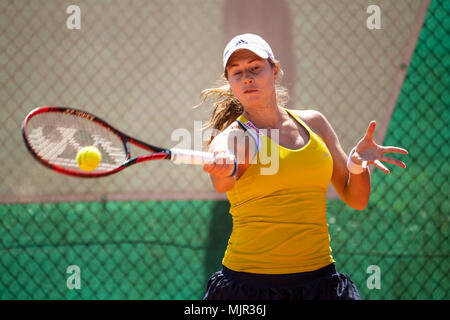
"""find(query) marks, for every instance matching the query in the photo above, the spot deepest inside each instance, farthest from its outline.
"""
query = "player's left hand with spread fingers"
(369, 152)
(223, 164)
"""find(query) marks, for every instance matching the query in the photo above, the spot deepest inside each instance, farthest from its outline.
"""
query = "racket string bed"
(57, 137)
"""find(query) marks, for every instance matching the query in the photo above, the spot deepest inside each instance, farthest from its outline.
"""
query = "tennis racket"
(54, 135)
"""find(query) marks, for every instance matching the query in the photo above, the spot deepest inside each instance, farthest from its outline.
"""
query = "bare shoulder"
(315, 120)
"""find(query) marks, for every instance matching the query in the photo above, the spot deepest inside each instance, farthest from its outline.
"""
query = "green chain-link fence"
(405, 229)
(157, 231)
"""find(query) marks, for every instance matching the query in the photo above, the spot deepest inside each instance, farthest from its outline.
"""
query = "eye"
(255, 69)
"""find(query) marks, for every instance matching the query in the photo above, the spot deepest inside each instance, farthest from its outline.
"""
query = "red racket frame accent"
(158, 153)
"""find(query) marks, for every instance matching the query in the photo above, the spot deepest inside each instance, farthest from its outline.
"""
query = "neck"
(268, 117)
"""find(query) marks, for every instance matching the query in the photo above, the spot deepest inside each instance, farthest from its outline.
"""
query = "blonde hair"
(227, 108)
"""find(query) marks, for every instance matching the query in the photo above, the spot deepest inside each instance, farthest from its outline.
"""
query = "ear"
(276, 68)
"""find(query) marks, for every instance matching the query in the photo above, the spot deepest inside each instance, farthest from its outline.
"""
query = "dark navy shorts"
(322, 284)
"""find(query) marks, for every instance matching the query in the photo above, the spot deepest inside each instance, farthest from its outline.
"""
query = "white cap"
(248, 41)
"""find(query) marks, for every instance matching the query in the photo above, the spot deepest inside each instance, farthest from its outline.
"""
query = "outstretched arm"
(355, 188)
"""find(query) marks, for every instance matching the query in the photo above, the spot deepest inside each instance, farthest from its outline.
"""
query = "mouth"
(250, 91)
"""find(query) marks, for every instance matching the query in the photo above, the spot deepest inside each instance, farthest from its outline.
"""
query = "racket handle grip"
(190, 156)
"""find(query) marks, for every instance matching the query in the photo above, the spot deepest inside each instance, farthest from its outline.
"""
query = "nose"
(248, 78)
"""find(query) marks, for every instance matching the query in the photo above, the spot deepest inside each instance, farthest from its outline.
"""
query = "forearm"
(357, 190)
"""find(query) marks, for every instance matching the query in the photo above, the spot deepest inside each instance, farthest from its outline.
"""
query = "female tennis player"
(279, 247)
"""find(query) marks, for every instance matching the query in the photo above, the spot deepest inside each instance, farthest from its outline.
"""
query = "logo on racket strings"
(59, 146)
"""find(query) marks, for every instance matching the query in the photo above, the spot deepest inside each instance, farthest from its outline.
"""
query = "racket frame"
(158, 153)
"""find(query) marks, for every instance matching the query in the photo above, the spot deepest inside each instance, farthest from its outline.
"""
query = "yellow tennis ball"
(88, 158)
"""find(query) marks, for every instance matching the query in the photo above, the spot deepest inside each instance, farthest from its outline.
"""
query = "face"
(251, 78)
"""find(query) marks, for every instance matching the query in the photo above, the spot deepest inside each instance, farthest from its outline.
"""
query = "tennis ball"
(88, 158)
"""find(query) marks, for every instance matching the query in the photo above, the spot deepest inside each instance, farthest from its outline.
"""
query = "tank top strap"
(303, 123)
(249, 125)
(251, 129)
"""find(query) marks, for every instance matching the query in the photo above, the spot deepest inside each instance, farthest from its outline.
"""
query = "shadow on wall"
(271, 20)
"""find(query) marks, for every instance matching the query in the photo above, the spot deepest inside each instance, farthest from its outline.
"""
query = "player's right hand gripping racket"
(54, 135)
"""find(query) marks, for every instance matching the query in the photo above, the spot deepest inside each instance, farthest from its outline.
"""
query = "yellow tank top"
(279, 220)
